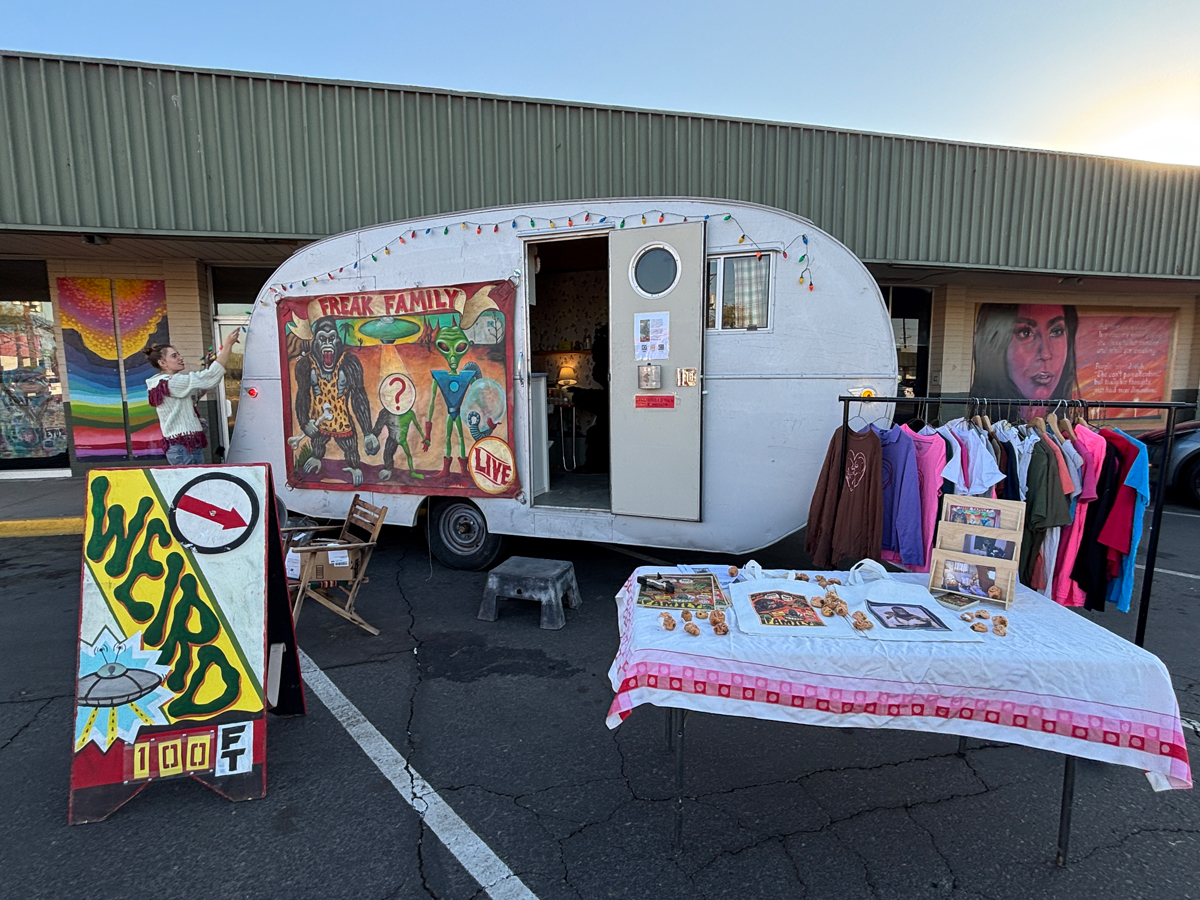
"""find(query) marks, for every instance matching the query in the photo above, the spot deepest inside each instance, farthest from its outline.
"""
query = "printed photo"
(966, 578)
(905, 616)
(690, 592)
(984, 516)
(995, 548)
(785, 609)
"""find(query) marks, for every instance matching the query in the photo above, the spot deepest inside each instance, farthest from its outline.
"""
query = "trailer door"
(656, 318)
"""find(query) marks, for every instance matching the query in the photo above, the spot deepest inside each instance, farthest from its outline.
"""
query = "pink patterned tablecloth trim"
(1087, 723)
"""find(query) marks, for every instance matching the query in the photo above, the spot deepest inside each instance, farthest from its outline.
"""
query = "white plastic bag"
(867, 570)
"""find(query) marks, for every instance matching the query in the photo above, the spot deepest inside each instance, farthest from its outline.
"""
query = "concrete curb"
(41, 527)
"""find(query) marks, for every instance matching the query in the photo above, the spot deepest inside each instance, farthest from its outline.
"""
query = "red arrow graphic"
(226, 518)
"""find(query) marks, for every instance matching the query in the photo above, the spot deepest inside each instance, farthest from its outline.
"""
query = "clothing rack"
(1171, 409)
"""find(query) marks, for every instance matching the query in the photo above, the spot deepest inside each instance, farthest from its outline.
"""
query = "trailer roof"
(112, 146)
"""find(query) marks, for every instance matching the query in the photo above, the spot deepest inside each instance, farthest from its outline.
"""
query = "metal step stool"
(547, 581)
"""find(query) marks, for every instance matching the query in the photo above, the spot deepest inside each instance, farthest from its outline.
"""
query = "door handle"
(521, 367)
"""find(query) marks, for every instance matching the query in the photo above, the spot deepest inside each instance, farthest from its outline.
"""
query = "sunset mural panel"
(94, 364)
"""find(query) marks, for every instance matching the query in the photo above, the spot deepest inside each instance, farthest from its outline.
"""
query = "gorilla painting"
(330, 397)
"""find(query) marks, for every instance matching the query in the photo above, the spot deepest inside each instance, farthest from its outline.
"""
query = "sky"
(1101, 77)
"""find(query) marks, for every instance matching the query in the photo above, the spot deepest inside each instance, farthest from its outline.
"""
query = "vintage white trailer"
(447, 360)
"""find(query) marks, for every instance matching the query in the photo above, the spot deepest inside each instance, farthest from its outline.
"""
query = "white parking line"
(1171, 512)
(1172, 572)
(468, 848)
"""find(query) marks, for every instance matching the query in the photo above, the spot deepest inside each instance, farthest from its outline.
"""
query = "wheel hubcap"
(463, 529)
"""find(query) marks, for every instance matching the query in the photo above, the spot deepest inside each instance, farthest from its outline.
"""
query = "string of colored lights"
(583, 217)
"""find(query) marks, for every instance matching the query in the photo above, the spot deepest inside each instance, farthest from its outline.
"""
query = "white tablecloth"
(1056, 681)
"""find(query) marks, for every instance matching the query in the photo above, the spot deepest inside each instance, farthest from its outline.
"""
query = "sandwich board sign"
(185, 634)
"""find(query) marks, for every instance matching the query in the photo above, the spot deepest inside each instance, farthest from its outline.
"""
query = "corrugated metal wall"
(99, 145)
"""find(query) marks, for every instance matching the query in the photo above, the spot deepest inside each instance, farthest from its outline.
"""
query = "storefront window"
(33, 430)
(234, 292)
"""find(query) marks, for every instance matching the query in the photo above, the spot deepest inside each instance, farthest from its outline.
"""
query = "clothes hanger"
(916, 423)
(1065, 424)
(974, 414)
(1051, 421)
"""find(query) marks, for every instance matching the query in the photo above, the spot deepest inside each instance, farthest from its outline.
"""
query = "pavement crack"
(954, 885)
(382, 658)
(37, 699)
(1136, 833)
(421, 859)
(37, 712)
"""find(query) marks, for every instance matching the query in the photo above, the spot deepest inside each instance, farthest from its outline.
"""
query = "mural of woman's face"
(1037, 351)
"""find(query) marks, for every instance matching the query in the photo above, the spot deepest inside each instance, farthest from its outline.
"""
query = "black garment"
(596, 401)
(1091, 565)
(948, 486)
(1012, 474)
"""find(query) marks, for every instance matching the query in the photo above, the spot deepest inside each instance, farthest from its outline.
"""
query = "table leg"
(679, 719)
(670, 718)
(1064, 816)
(962, 746)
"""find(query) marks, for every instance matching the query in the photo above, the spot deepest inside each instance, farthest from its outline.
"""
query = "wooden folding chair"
(359, 546)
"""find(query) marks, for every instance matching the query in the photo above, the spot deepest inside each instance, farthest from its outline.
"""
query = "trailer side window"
(739, 292)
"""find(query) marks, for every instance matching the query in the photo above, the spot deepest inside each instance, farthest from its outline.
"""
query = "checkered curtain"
(746, 304)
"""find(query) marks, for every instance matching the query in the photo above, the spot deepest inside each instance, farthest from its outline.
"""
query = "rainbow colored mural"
(91, 310)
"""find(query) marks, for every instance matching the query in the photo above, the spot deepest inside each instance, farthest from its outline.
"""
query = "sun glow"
(1158, 122)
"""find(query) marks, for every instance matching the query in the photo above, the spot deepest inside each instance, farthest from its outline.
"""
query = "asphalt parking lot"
(506, 722)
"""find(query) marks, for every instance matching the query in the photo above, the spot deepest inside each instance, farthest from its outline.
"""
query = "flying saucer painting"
(388, 330)
(114, 684)
(119, 690)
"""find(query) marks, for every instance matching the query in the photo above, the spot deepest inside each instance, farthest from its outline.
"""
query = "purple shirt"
(901, 496)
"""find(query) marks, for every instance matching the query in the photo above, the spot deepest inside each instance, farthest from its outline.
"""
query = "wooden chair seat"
(337, 595)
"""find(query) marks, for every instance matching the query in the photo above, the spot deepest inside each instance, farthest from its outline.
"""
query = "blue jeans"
(179, 455)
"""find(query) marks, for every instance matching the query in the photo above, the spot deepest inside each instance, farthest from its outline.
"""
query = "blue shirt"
(1120, 589)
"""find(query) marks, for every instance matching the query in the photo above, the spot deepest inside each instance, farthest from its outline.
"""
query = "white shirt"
(176, 407)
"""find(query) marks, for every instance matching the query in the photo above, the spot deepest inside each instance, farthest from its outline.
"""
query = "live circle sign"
(491, 465)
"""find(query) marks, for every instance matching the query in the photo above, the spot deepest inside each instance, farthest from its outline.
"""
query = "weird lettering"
(182, 625)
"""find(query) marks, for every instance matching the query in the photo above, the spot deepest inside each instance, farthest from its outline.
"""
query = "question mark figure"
(397, 397)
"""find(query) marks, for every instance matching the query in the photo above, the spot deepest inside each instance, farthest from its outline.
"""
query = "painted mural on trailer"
(1048, 352)
(402, 391)
(94, 312)
(171, 634)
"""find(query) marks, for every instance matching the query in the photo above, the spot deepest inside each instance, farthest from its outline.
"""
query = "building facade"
(140, 203)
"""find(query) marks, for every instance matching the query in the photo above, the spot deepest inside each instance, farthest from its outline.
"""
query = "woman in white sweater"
(174, 394)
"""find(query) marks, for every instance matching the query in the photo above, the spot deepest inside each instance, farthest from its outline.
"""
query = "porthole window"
(654, 270)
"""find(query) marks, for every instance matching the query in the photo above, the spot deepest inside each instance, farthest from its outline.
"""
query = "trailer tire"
(459, 536)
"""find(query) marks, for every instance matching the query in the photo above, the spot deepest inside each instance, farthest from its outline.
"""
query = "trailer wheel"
(459, 536)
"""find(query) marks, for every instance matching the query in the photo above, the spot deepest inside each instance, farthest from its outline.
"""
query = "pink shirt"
(1091, 447)
(931, 460)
